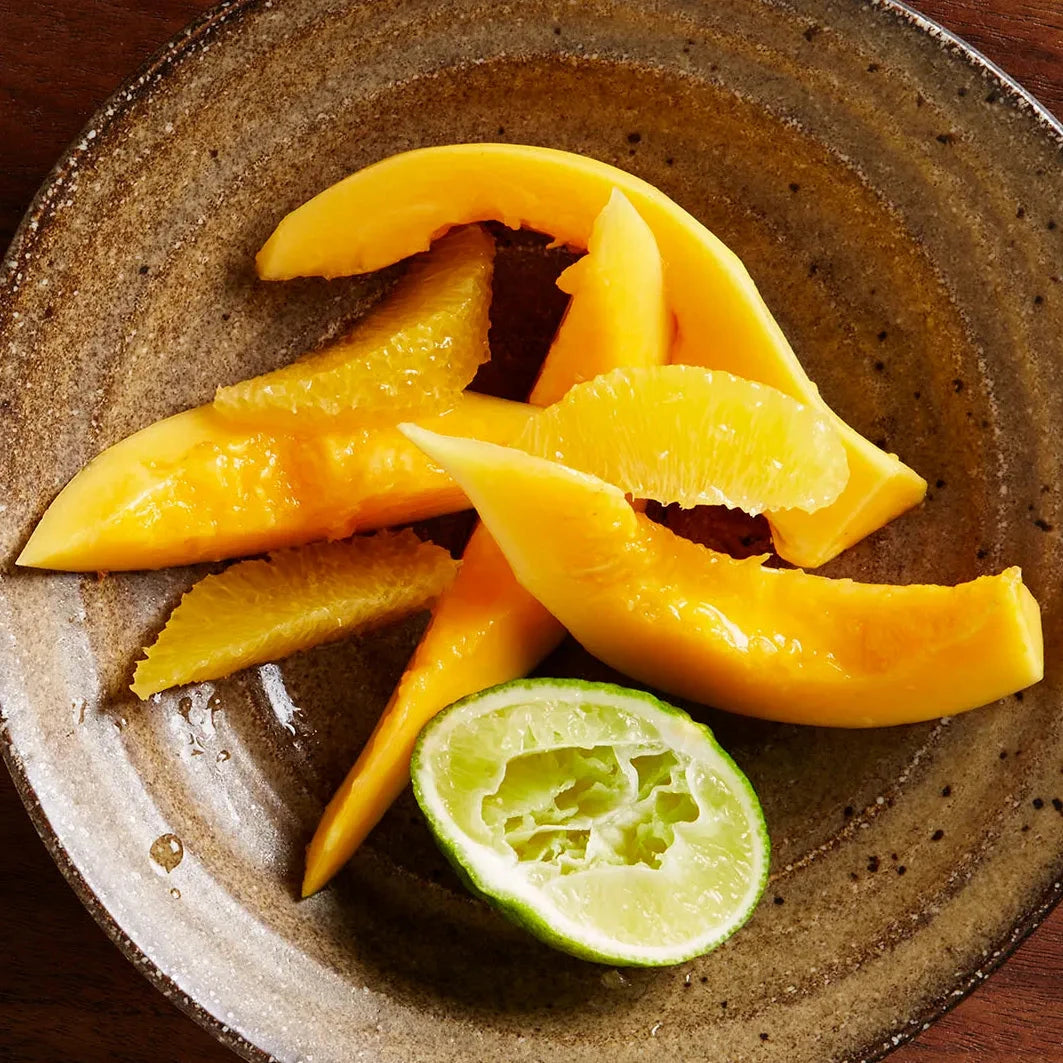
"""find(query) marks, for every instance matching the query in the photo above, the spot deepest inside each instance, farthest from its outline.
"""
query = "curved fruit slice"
(678, 433)
(258, 611)
(415, 351)
(200, 487)
(606, 822)
(779, 644)
(396, 207)
(617, 314)
(486, 628)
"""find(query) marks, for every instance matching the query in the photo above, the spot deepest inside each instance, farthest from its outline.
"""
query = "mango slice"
(679, 433)
(258, 611)
(416, 351)
(486, 628)
(617, 314)
(398, 206)
(779, 644)
(482, 632)
(200, 487)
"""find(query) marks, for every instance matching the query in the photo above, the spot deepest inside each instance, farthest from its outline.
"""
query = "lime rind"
(685, 875)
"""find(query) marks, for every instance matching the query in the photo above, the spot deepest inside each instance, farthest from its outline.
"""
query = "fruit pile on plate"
(602, 819)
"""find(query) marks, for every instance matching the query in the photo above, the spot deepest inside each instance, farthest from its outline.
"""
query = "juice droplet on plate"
(167, 851)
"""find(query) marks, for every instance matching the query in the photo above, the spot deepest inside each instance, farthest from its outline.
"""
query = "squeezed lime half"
(603, 820)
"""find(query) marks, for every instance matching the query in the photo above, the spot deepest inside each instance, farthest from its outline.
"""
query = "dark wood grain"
(1025, 37)
(65, 992)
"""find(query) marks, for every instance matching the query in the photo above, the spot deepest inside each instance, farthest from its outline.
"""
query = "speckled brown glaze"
(896, 201)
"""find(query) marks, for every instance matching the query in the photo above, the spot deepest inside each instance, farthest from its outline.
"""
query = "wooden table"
(65, 991)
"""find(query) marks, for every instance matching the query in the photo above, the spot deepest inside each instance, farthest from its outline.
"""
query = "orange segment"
(780, 644)
(414, 352)
(486, 628)
(394, 208)
(681, 434)
(201, 487)
(258, 611)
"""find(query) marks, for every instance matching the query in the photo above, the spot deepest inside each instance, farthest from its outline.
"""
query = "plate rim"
(139, 86)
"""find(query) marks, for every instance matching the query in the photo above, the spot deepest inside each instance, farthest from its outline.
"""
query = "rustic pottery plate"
(896, 200)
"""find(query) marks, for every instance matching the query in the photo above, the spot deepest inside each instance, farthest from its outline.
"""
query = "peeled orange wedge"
(395, 207)
(199, 486)
(415, 351)
(682, 434)
(258, 611)
(486, 628)
(779, 644)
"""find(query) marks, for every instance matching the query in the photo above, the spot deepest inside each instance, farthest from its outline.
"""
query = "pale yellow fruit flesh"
(693, 436)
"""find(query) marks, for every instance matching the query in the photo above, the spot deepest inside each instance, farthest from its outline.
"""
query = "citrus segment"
(200, 487)
(682, 434)
(486, 628)
(617, 314)
(779, 644)
(258, 611)
(414, 352)
(604, 821)
(394, 208)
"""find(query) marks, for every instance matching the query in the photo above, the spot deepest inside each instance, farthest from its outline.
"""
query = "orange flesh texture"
(412, 355)
(200, 487)
(396, 207)
(681, 433)
(259, 611)
(486, 628)
(778, 644)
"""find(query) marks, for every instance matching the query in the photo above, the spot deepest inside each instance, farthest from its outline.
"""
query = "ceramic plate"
(895, 199)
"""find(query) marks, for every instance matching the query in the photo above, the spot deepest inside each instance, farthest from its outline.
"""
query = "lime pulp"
(603, 820)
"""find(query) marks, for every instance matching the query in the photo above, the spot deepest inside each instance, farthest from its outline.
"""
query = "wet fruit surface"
(413, 354)
(779, 644)
(260, 611)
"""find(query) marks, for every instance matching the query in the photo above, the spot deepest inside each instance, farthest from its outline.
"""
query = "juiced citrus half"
(415, 351)
(258, 611)
(606, 822)
(680, 433)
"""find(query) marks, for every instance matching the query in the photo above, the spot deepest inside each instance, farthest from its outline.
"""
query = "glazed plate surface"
(896, 202)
